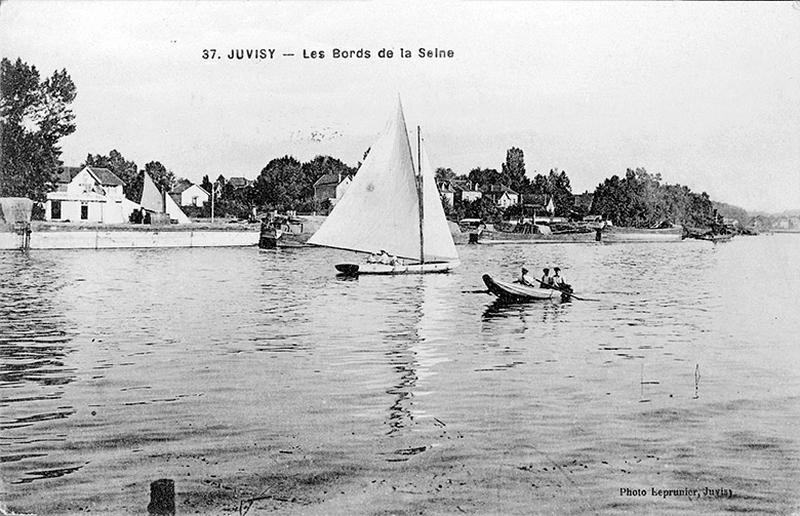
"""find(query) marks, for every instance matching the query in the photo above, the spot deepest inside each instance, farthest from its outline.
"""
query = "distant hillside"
(729, 211)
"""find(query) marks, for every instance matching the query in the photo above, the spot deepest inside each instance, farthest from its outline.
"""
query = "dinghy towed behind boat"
(390, 207)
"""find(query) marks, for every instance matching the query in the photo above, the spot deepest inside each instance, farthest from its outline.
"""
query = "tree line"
(35, 115)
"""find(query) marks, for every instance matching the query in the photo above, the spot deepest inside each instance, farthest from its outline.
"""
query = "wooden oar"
(570, 294)
(475, 291)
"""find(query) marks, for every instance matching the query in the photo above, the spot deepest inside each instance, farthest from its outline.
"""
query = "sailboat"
(391, 207)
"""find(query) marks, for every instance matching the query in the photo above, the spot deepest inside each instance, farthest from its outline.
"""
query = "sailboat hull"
(352, 269)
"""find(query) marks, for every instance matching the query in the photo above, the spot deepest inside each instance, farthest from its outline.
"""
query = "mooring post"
(162, 497)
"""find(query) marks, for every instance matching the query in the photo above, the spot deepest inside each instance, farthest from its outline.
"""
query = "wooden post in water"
(162, 497)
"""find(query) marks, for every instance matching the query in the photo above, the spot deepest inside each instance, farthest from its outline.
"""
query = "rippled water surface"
(260, 382)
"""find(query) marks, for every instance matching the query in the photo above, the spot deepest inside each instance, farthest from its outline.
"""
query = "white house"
(502, 195)
(89, 194)
(466, 191)
(190, 194)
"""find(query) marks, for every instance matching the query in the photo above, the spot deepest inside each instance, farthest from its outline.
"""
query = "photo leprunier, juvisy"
(399, 258)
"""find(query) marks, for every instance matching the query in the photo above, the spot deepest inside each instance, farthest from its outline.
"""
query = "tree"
(640, 200)
(482, 208)
(206, 185)
(127, 171)
(163, 178)
(312, 170)
(279, 184)
(484, 176)
(513, 170)
(34, 116)
(561, 192)
(444, 174)
(555, 185)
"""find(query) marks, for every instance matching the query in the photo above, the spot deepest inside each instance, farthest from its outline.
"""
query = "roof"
(499, 189)
(239, 182)
(183, 185)
(445, 186)
(67, 174)
(464, 185)
(330, 179)
(536, 199)
(105, 177)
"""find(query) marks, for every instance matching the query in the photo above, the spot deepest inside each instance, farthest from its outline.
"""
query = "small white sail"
(175, 212)
(437, 239)
(380, 210)
(154, 200)
(151, 196)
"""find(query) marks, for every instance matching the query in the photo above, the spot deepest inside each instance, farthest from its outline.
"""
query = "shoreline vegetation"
(36, 116)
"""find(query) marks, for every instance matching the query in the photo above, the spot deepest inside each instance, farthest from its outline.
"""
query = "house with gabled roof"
(88, 194)
(187, 193)
(331, 187)
(501, 195)
(465, 190)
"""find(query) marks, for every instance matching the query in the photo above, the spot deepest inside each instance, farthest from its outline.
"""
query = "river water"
(244, 373)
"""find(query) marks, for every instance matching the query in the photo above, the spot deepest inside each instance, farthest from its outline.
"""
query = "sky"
(706, 94)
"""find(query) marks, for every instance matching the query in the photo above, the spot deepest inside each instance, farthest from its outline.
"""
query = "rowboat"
(726, 237)
(519, 292)
(392, 206)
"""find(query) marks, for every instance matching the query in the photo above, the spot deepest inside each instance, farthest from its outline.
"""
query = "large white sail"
(437, 239)
(380, 210)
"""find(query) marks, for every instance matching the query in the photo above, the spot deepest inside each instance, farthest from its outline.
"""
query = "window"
(84, 211)
(194, 201)
(55, 210)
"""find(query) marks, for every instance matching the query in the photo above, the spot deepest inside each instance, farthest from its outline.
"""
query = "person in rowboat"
(559, 282)
(525, 279)
(546, 281)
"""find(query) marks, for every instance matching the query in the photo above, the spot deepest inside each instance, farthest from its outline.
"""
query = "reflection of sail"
(419, 349)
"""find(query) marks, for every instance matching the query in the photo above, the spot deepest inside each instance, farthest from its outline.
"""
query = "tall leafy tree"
(444, 174)
(163, 178)
(561, 191)
(513, 170)
(206, 185)
(279, 184)
(640, 200)
(484, 176)
(34, 116)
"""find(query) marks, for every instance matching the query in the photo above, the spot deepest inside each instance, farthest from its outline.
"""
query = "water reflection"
(35, 342)
(401, 355)
(539, 311)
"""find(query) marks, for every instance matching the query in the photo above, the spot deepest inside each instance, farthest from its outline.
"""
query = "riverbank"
(608, 235)
(50, 235)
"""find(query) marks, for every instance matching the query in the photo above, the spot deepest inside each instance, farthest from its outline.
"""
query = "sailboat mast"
(419, 195)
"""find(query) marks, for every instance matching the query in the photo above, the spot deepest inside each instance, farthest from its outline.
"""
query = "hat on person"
(556, 269)
(545, 270)
(524, 269)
